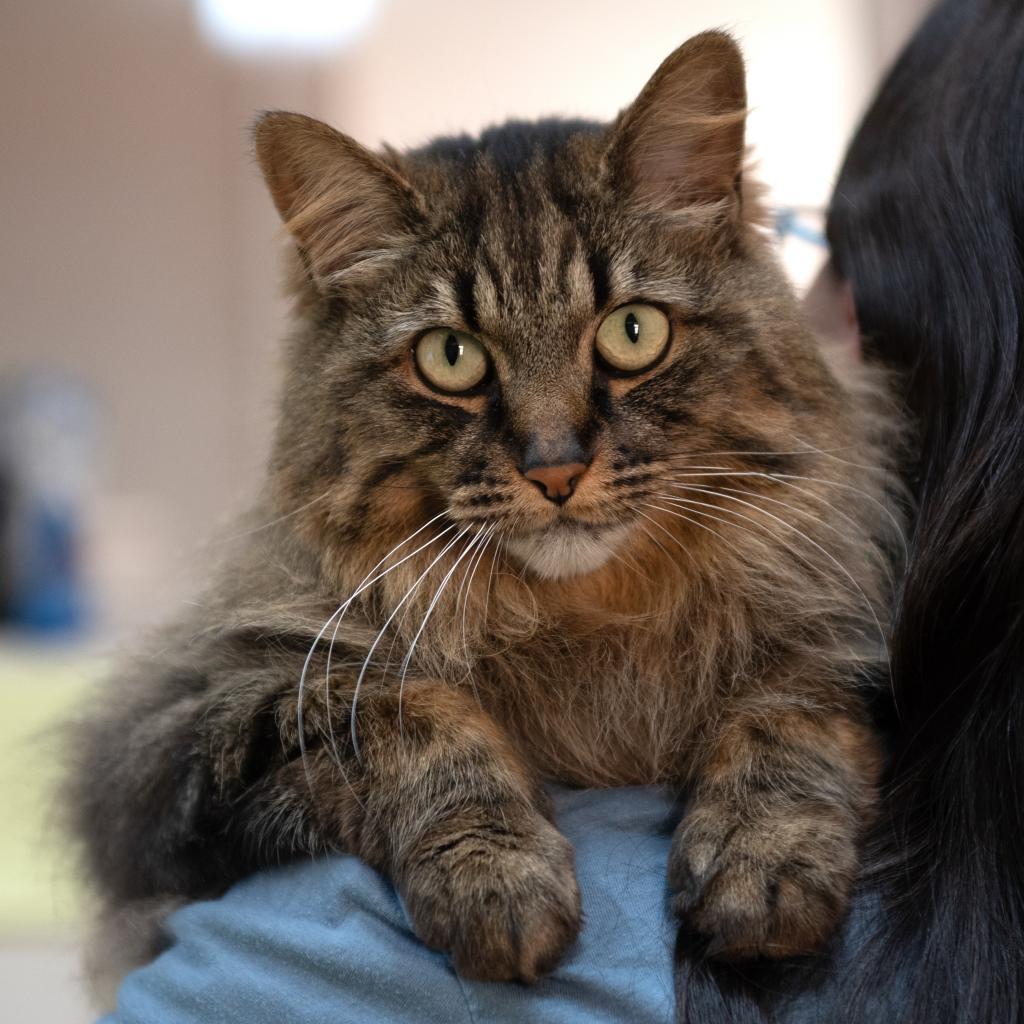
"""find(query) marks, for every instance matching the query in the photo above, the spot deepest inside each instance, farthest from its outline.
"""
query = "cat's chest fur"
(620, 706)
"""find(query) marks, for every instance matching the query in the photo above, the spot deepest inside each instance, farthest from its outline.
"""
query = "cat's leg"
(764, 859)
(179, 797)
(453, 815)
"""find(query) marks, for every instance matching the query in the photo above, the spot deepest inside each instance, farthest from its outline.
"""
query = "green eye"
(451, 360)
(633, 337)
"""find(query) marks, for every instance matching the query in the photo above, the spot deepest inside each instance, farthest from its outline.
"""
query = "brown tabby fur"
(723, 647)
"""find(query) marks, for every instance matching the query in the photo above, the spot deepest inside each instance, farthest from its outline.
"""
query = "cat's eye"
(633, 337)
(451, 360)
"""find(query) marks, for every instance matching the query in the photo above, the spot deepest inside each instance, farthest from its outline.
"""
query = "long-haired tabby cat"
(562, 488)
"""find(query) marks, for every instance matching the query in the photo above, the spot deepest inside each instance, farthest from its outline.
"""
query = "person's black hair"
(927, 225)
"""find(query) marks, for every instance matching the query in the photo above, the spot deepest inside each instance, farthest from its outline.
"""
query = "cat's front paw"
(499, 896)
(771, 882)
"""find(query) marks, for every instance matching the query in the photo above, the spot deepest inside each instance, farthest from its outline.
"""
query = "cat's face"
(528, 331)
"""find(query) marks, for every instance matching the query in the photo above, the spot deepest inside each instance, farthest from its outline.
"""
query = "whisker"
(839, 565)
(808, 449)
(805, 512)
(630, 565)
(401, 626)
(713, 532)
(695, 511)
(896, 524)
(670, 536)
(785, 478)
(500, 551)
(344, 609)
(407, 660)
(340, 611)
(694, 506)
(827, 452)
(470, 574)
(279, 519)
(657, 543)
(373, 647)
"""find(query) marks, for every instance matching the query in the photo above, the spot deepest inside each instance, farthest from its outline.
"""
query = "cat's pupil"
(632, 328)
(452, 349)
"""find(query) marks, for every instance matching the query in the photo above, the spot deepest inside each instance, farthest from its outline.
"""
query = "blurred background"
(140, 310)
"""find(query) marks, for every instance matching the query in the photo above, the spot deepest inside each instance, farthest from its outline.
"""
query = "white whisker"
(463, 596)
(713, 532)
(827, 452)
(806, 450)
(784, 478)
(279, 519)
(654, 540)
(340, 611)
(803, 512)
(630, 565)
(675, 540)
(789, 526)
(499, 553)
(407, 660)
(383, 630)
(897, 525)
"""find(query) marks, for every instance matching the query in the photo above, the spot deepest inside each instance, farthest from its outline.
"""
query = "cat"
(563, 488)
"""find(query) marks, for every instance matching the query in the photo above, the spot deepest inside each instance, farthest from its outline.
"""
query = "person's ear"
(830, 310)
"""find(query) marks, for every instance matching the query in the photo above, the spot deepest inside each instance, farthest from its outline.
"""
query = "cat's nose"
(557, 482)
(555, 464)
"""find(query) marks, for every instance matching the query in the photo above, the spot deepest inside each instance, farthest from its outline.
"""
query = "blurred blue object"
(47, 465)
(800, 222)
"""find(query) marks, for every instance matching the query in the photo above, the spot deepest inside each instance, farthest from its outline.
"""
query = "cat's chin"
(562, 553)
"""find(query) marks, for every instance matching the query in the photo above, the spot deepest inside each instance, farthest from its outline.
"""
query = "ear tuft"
(343, 205)
(680, 144)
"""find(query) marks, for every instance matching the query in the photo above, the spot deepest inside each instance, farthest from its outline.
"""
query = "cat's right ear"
(344, 206)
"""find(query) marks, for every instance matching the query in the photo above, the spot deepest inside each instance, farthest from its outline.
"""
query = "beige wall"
(485, 61)
(455, 65)
(137, 254)
(138, 251)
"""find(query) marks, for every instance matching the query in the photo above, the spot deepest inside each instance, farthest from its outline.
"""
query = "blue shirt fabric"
(328, 942)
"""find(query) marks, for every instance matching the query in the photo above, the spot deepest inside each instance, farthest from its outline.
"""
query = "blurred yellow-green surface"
(39, 688)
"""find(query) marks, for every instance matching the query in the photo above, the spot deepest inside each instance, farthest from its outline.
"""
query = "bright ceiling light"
(271, 27)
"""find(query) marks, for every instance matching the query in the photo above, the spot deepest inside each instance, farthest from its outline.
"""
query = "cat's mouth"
(565, 548)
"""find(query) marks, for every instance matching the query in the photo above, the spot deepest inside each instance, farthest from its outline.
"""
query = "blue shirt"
(328, 942)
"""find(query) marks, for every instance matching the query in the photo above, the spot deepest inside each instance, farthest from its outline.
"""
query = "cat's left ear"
(680, 144)
(345, 207)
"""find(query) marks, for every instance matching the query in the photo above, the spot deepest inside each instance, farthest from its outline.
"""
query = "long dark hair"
(927, 225)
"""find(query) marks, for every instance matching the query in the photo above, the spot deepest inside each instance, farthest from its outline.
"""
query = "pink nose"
(557, 482)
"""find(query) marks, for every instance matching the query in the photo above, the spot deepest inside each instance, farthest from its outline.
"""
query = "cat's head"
(523, 333)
